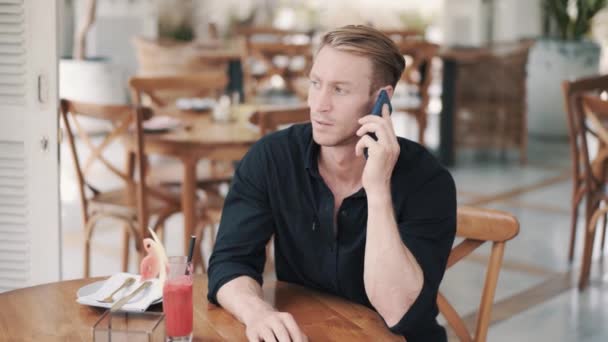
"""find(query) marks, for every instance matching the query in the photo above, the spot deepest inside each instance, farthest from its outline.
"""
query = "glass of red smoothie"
(177, 299)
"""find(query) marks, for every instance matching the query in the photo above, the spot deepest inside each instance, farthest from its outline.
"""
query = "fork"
(124, 300)
(110, 298)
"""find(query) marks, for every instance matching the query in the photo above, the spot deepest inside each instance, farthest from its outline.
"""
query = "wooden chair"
(202, 84)
(591, 115)
(573, 90)
(131, 203)
(270, 52)
(271, 119)
(477, 226)
(162, 92)
(417, 76)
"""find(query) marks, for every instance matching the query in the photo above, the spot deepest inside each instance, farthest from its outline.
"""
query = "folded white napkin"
(139, 303)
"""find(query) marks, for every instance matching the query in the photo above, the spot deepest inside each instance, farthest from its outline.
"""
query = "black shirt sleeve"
(428, 227)
(246, 224)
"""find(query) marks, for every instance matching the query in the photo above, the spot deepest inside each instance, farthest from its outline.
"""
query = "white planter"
(550, 63)
(97, 81)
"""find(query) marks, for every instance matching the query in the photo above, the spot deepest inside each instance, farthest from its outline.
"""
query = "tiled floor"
(536, 300)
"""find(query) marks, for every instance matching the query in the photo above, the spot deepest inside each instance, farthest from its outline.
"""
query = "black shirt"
(278, 190)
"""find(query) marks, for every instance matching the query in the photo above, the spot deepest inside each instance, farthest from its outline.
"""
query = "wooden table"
(202, 138)
(50, 313)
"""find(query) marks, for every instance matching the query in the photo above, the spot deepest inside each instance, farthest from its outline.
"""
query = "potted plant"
(565, 53)
(89, 78)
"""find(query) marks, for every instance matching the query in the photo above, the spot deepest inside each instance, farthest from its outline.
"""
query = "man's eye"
(340, 91)
(314, 83)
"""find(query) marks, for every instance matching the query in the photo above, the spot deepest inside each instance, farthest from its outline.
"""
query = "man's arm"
(392, 277)
(404, 262)
(237, 262)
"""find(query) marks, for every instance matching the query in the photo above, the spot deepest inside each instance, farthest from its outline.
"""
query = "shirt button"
(343, 213)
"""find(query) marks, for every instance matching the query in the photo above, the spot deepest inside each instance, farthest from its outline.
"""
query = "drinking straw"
(191, 250)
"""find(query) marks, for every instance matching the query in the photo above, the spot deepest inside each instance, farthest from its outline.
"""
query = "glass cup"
(129, 327)
(177, 300)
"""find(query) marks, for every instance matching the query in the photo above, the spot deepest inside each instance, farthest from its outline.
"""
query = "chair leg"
(213, 233)
(88, 233)
(198, 254)
(421, 127)
(603, 235)
(588, 248)
(573, 222)
(87, 258)
(126, 239)
(586, 261)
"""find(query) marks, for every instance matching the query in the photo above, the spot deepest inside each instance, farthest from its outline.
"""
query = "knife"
(124, 300)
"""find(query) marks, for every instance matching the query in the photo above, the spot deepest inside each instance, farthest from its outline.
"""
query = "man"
(375, 231)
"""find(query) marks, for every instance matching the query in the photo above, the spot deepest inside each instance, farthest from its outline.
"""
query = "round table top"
(201, 136)
(50, 313)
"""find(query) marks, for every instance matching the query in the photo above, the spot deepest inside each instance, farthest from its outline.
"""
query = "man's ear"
(389, 91)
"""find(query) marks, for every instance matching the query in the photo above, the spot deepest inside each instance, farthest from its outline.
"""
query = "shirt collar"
(312, 158)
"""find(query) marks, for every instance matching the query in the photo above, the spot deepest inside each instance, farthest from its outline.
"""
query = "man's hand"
(271, 326)
(382, 154)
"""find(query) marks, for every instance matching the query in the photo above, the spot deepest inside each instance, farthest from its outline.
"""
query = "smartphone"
(382, 99)
(377, 110)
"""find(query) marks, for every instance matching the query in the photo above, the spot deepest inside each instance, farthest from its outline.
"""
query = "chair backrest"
(162, 57)
(121, 120)
(477, 226)
(575, 112)
(496, 73)
(594, 122)
(490, 107)
(269, 119)
(164, 90)
(267, 34)
(270, 51)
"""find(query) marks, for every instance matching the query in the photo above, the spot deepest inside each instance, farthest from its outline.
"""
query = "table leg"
(189, 200)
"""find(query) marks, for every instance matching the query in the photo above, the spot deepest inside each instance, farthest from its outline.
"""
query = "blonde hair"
(387, 62)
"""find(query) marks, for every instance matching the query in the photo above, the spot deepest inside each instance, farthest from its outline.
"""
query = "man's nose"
(321, 101)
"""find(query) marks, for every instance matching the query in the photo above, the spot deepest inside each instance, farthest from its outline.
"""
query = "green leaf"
(557, 10)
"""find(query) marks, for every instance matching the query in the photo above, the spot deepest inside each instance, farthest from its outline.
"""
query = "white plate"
(93, 287)
(195, 104)
(161, 124)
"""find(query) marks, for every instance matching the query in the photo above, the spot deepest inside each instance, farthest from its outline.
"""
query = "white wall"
(117, 22)
(477, 22)
(515, 19)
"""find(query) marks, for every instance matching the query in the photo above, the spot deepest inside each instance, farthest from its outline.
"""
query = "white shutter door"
(29, 192)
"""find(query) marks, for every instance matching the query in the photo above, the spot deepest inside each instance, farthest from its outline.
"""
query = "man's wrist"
(378, 197)
(256, 308)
